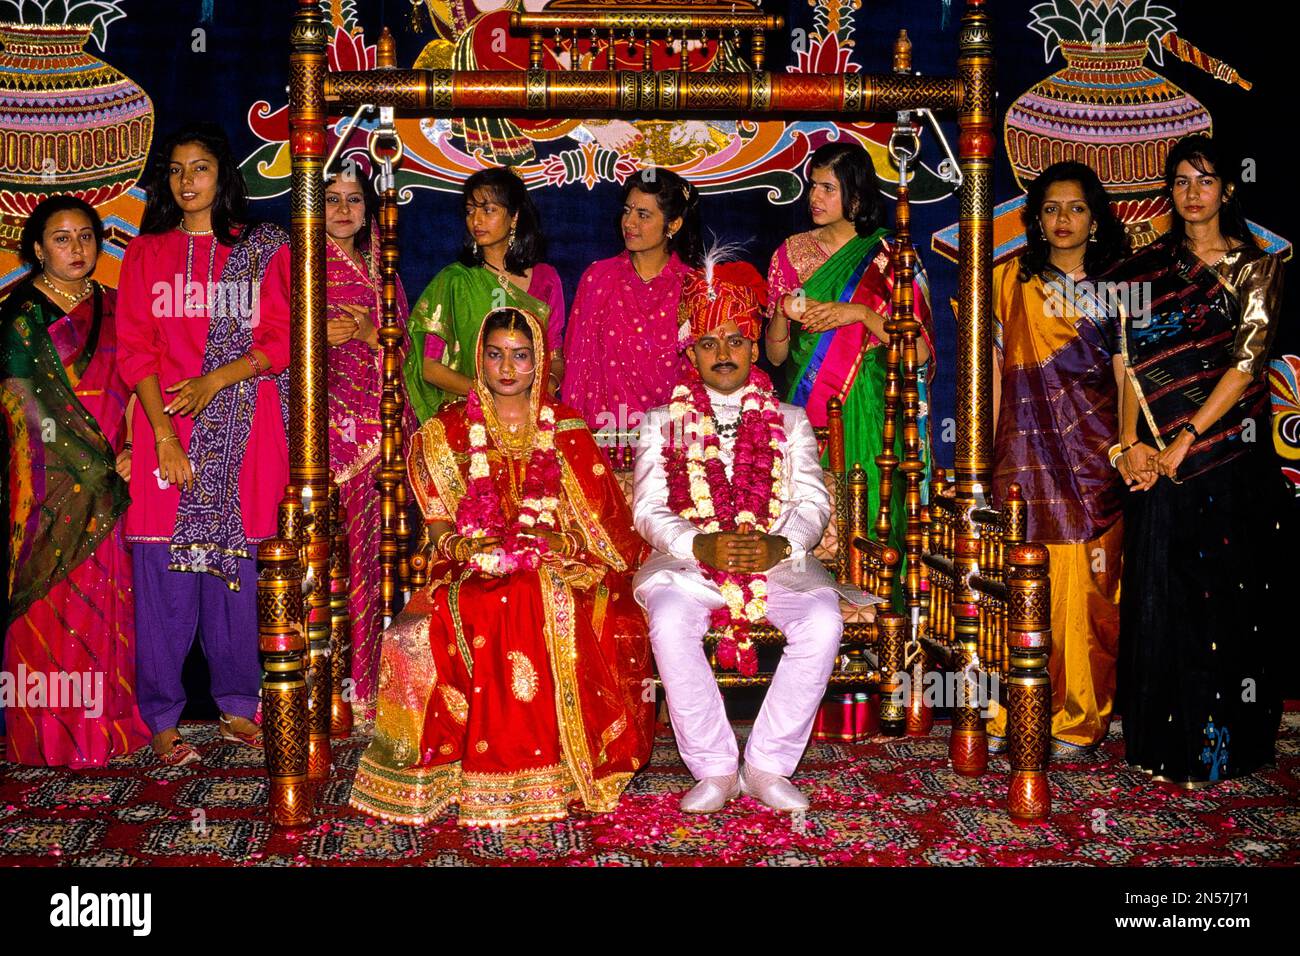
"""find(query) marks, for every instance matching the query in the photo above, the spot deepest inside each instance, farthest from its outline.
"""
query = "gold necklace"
(513, 441)
(501, 275)
(74, 299)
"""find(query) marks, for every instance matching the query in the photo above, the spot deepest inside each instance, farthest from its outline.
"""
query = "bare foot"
(162, 741)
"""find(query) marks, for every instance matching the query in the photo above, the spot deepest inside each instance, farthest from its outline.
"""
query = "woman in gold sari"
(515, 683)
(1056, 418)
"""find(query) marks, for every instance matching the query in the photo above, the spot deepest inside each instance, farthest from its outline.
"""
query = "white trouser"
(812, 625)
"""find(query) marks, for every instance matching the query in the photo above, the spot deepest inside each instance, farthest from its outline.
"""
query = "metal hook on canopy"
(949, 170)
(343, 138)
(904, 144)
(386, 161)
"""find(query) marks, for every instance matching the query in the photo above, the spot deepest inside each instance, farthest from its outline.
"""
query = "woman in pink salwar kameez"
(203, 325)
(353, 291)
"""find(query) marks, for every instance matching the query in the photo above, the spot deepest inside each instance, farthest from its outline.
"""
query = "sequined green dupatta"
(63, 494)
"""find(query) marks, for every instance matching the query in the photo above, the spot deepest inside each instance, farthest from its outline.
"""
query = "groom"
(749, 536)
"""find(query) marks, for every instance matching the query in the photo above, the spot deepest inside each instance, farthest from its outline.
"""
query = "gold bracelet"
(572, 544)
(438, 545)
(162, 441)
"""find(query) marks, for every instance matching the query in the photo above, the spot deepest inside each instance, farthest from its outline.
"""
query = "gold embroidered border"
(441, 465)
(365, 455)
(453, 603)
(601, 606)
(609, 735)
(415, 795)
(496, 799)
(609, 789)
(584, 518)
(561, 648)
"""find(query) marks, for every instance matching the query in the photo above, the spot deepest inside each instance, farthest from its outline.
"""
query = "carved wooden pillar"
(894, 689)
(974, 453)
(1029, 690)
(968, 746)
(284, 688)
(309, 411)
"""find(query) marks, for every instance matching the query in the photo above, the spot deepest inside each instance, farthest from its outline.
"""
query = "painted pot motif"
(69, 122)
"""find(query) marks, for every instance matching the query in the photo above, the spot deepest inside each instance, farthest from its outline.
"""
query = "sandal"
(180, 754)
(230, 735)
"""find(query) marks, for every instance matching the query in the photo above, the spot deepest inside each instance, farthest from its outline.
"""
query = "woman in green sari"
(500, 266)
(831, 290)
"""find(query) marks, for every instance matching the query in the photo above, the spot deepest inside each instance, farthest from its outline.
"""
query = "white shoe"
(774, 791)
(711, 794)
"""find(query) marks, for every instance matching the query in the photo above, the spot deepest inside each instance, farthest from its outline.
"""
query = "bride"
(517, 682)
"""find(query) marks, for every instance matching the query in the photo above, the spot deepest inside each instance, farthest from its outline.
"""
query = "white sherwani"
(803, 601)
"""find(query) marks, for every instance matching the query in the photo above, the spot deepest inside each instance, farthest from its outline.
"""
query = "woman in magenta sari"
(353, 291)
(69, 573)
(621, 344)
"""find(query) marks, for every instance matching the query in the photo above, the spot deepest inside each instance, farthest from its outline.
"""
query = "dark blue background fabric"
(246, 60)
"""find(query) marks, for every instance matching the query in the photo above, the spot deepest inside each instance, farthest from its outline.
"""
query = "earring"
(671, 233)
(1092, 234)
(475, 248)
(510, 243)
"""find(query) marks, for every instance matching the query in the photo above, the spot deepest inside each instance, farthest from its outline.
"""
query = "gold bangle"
(162, 441)
(573, 544)
(442, 539)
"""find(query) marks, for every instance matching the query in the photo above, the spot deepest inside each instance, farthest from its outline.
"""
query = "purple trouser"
(170, 608)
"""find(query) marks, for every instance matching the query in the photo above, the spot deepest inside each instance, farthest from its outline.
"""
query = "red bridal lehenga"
(514, 696)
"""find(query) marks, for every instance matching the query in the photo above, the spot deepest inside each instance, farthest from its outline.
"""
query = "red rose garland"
(698, 489)
(479, 514)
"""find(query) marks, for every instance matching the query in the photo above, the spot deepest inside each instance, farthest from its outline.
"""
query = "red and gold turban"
(716, 293)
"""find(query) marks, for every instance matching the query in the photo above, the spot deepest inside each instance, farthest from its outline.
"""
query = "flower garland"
(479, 514)
(699, 490)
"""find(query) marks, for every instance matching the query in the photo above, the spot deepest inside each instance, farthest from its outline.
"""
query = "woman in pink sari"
(69, 639)
(621, 356)
(353, 291)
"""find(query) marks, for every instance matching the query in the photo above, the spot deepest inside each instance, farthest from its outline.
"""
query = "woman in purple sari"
(353, 294)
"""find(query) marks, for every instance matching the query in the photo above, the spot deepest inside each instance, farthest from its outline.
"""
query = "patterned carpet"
(885, 802)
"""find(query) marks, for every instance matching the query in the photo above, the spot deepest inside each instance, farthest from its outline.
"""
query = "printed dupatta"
(209, 532)
(64, 494)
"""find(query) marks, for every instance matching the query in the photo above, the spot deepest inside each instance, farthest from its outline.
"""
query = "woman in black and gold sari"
(1204, 551)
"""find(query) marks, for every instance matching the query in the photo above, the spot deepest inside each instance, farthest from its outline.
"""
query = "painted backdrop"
(87, 85)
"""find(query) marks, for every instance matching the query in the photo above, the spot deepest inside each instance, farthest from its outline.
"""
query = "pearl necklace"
(75, 300)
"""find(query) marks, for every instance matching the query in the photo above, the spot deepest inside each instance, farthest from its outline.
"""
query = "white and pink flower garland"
(698, 490)
(479, 514)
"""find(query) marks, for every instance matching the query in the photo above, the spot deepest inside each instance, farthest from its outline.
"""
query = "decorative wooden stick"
(1211, 65)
